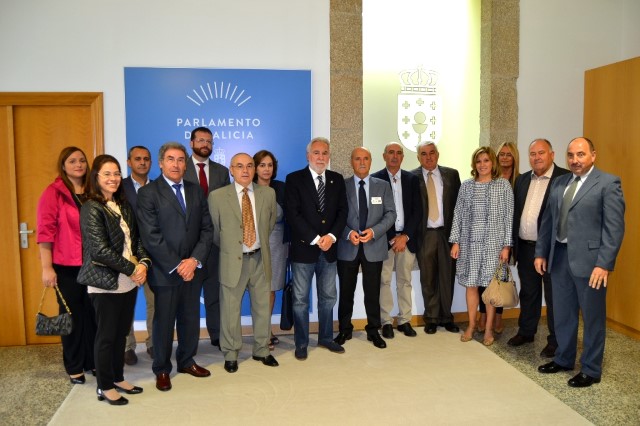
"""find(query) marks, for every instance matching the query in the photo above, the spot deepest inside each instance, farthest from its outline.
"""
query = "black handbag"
(60, 325)
(286, 314)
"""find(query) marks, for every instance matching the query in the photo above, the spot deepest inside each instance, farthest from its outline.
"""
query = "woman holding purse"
(111, 269)
(481, 233)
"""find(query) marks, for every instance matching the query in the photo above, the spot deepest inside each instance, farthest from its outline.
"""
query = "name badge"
(376, 200)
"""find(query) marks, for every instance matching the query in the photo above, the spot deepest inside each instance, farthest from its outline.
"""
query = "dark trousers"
(114, 313)
(179, 305)
(572, 295)
(531, 286)
(77, 347)
(437, 276)
(211, 293)
(348, 276)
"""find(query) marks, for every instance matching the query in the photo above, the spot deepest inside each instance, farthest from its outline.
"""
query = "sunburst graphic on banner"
(220, 90)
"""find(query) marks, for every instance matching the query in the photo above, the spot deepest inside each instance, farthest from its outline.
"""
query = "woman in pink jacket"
(60, 244)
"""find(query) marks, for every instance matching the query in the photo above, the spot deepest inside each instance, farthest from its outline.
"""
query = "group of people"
(95, 228)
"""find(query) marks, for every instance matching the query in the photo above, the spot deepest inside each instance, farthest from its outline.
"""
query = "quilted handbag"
(60, 325)
(501, 293)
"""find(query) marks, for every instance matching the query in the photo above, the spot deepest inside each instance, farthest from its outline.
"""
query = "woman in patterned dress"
(266, 170)
(481, 232)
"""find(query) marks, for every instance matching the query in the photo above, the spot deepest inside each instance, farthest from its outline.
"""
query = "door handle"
(24, 235)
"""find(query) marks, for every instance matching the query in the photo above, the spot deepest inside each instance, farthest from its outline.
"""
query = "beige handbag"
(501, 293)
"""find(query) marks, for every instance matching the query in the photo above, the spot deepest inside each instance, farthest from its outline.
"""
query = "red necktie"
(203, 179)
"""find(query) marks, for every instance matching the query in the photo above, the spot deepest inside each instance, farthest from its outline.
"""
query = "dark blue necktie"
(363, 210)
(320, 194)
(177, 186)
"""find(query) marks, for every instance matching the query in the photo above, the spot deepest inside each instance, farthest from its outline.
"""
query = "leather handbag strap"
(64, 302)
(499, 269)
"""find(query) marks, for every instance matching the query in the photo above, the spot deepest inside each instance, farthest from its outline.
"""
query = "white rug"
(428, 379)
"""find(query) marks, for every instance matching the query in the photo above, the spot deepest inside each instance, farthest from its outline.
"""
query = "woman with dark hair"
(266, 171)
(508, 160)
(113, 254)
(481, 233)
(60, 245)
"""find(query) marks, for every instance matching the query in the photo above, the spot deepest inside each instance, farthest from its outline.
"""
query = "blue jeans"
(327, 297)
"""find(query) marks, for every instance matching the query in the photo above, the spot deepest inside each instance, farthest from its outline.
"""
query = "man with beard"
(210, 176)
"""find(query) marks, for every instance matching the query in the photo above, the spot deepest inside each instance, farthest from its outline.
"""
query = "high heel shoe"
(133, 391)
(120, 401)
(80, 380)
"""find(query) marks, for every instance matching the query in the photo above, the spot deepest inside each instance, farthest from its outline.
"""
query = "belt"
(435, 229)
(528, 242)
(251, 253)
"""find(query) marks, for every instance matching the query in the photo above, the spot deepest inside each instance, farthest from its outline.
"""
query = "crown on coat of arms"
(419, 80)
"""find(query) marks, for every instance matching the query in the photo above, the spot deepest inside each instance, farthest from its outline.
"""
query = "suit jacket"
(218, 174)
(380, 217)
(226, 215)
(305, 218)
(450, 188)
(411, 206)
(130, 193)
(520, 190)
(595, 224)
(170, 235)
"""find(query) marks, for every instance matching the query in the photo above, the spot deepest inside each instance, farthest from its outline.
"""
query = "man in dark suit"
(363, 244)
(139, 162)
(210, 176)
(531, 191)
(401, 239)
(175, 227)
(247, 211)
(316, 204)
(439, 188)
(580, 236)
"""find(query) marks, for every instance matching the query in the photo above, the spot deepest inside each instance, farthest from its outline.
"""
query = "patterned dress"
(482, 222)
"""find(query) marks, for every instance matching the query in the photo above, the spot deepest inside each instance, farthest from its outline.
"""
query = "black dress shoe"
(431, 328)
(552, 367)
(268, 360)
(120, 401)
(407, 330)
(332, 346)
(378, 341)
(343, 337)
(80, 380)
(301, 354)
(133, 391)
(387, 331)
(451, 327)
(581, 380)
(549, 351)
(231, 366)
(519, 340)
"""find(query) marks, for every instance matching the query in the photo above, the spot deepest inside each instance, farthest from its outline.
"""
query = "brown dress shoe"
(163, 382)
(195, 370)
(130, 357)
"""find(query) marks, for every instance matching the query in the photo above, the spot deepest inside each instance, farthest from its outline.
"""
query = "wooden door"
(34, 127)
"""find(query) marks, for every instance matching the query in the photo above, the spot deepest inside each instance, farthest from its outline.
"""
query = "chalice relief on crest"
(419, 108)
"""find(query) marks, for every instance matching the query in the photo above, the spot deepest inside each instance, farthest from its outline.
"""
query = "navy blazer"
(170, 235)
(595, 224)
(305, 218)
(411, 206)
(520, 190)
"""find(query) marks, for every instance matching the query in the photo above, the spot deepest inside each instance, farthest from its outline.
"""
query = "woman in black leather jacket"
(114, 264)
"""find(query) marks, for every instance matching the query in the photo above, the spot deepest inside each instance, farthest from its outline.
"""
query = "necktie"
(432, 199)
(363, 210)
(564, 209)
(177, 186)
(202, 177)
(320, 194)
(248, 226)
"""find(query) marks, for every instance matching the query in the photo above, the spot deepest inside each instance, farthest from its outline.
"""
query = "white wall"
(559, 41)
(79, 45)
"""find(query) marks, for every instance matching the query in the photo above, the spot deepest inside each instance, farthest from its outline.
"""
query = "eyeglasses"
(242, 166)
(207, 141)
(109, 175)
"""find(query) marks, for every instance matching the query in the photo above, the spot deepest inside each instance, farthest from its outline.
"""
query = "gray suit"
(370, 255)
(595, 228)
(243, 271)
(218, 177)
